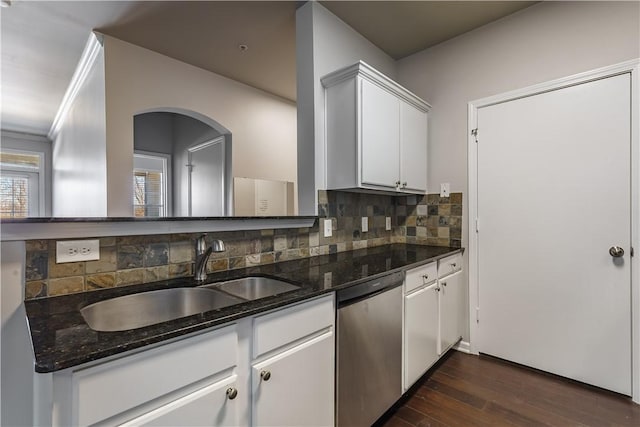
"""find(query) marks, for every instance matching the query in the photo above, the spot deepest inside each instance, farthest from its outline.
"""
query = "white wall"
(139, 80)
(546, 41)
(79, 174)
(324, 43)
(543, 42)
(16, 355)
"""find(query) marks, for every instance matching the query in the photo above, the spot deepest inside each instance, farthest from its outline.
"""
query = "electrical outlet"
(328, 232)
(365, 224)
(445, 190)
(387, 223)
(77, 250)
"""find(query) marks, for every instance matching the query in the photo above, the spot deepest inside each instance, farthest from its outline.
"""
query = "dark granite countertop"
(62, 339)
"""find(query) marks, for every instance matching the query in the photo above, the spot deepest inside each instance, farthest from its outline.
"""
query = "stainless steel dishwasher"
(369, 350)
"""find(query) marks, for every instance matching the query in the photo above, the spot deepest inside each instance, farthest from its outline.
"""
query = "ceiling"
(42, 41)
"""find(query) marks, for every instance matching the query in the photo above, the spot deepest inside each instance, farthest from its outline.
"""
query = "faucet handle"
(218, 245)
(201, 244)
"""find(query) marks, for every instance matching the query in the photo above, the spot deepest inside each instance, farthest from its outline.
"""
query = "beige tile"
(153, 274)
(101, 281)
(267, 258)
(64, 270)
(36, 245)
(252, 260)
(35, 289)
(218, 264)
(68, 285)
(237, 262)
(444, 210)
(107, 241)
(130, 277)
(182, 251)
(280, 243)
(443, 232)
(456, 198)
(108, 261)
(181, 270)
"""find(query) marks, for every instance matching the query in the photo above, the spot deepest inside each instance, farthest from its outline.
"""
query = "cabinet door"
(420, 333)
(213, 405)
(452, 312)
(380, 136)
(296, 387)
(413, 148)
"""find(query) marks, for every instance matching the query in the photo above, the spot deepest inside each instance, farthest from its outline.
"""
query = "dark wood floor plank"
(508, 400)
(466, 390)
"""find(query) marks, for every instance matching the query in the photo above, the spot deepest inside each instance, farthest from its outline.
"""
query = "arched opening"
(182, 164)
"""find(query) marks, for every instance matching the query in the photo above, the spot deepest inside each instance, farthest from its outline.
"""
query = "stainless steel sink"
(148, 308)
(254, 287)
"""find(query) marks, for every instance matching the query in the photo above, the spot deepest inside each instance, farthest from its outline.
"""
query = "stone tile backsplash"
(130, 260)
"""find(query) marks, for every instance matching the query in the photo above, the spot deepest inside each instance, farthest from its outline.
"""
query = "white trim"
(81, 229)
(40, 189)
(367, 72)
(89, 56)
(463, 346)
(168, 178)
(632, 67)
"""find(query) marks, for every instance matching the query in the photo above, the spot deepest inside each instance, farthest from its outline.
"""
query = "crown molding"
(91, 51)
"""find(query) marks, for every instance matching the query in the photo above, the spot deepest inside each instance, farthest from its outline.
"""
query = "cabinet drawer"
(419, 276)
(449, 265)
(108, 389)
(287, 325)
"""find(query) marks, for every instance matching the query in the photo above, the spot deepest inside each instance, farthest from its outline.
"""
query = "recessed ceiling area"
(42, 41)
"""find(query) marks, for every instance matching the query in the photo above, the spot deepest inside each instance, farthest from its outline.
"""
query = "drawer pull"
(453, 265)
(444, 284)
(232, 393)
(425, 276)
(265, 375)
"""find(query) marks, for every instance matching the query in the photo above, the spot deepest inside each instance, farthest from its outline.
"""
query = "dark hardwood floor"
(467, 390)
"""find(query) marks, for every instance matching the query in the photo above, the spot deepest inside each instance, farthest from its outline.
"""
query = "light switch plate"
(327, 228)
(444, 190)
(387, 223)
(365, 224)
(77, 250)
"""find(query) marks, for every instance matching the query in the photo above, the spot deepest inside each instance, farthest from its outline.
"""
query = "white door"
(380, 127)
(206, 178)
(553, 197)
(413, 148)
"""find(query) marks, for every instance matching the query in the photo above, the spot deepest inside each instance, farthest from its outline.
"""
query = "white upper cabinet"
(376, 133)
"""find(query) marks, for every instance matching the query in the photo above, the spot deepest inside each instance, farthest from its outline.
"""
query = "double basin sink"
(148, 308)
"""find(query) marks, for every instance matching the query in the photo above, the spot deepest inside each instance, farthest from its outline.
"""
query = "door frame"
(633, 68)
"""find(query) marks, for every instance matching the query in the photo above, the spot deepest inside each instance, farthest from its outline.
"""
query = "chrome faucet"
(202, 255)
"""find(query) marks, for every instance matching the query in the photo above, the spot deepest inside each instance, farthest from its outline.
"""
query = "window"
(21, 173)
(150, 177)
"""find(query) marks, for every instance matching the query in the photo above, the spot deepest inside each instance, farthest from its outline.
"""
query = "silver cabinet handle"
(232, 393)
(444, 284)
(265, 375)
(616, 251)
(437, 289)
(425, 276)
(397, 183)
(404, 185)
(453, 265)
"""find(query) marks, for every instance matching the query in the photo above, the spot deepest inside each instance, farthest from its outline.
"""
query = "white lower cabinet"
(421, 332)
(212, 405)
(434, 315)
(452, 313)
(212, 378)
(287, 386)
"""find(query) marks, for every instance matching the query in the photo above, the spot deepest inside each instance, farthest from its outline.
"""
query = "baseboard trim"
(463, 346)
